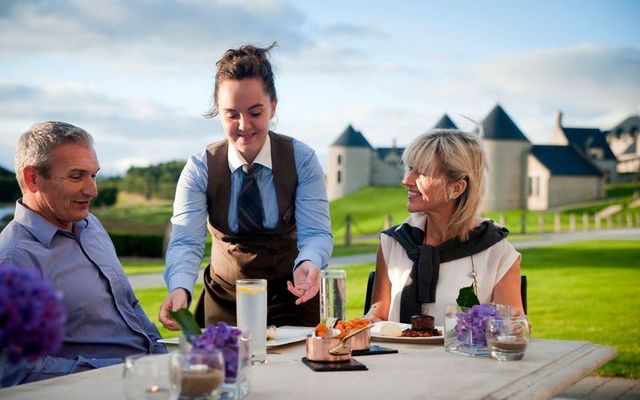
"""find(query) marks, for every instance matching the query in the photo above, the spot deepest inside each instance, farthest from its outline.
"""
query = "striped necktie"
(249, 203)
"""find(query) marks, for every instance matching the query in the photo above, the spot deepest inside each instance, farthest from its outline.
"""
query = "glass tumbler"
(507, 338)
(251, 313)
(333, 294)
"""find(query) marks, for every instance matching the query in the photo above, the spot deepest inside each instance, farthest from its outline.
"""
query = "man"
(54, 232)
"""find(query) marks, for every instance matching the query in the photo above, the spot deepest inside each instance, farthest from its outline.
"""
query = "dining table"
(416, 371)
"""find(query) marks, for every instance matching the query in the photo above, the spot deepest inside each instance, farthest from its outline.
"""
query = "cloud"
(129, 30)
(593, 85)
(127, 130)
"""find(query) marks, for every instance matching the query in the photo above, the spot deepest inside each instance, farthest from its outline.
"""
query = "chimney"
(558, 119)
(393, 143)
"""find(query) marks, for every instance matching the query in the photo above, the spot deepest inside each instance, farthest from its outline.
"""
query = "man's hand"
(177, 299)
(306, 281)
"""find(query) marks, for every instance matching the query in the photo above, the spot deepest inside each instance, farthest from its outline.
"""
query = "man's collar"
(40, 227)
(263, 158)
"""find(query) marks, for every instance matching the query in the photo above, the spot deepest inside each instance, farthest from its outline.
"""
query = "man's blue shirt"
(105, 321)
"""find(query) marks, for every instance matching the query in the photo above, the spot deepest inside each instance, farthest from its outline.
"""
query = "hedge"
(9, 189)
(137, 244)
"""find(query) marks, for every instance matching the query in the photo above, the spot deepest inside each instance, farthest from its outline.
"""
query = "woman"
(264, 198)
(442, 246)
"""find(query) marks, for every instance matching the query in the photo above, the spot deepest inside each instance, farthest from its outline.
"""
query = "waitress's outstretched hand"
(306, 281)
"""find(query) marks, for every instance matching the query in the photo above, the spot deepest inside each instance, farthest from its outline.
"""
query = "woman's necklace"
(473, 275)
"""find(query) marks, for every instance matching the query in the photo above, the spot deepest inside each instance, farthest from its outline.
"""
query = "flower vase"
(465, 329)
(237, 386)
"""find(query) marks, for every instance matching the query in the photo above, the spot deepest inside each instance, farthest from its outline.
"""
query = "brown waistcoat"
(268, 254)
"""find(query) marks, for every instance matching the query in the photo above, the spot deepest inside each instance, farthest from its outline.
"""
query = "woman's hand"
(177, 299)
(306, 281)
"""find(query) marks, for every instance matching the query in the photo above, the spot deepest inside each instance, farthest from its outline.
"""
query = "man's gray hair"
(35, 146)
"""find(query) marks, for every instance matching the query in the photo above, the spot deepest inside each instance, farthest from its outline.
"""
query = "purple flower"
(31, 315)
(471, 324)
(221, 337)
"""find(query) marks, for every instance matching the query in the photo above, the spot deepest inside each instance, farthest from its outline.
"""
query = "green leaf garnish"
(187, 322)
(467, 297)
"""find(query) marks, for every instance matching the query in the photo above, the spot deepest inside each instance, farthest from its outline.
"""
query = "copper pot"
(360, 341)
(318, 349)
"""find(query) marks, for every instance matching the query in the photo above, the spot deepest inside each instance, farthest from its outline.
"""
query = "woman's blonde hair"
(452, 155)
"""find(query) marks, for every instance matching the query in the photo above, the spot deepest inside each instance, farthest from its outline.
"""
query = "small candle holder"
(507, 338)
(147, 377)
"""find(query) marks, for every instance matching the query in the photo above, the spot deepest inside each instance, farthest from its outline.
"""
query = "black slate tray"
(373, 350)
(351, 365)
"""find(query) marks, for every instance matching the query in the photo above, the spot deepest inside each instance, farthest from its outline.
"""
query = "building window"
(534, 186)
(339, 176)
(339, 161)
(596, 153)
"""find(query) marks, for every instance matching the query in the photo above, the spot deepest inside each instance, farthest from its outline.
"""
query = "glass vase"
(238, 386)
(465, 328)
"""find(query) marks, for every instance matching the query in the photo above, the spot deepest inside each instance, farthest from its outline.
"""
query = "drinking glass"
(507, 338)
(251, 313)
(200, 373)
(146, 377)
(333, 294)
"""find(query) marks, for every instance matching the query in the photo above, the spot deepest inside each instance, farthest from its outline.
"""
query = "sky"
(138, 74)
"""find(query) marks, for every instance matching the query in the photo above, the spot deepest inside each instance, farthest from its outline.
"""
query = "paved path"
(590, 388)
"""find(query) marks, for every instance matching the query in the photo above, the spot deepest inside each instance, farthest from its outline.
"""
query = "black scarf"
(421, 285)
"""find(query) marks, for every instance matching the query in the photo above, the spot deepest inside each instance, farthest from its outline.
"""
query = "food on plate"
(390, 329)
(412, 333)
(421, 326)
(272, 332)
(422, 323)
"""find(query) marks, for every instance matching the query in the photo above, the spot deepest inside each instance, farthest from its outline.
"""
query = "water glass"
(147, 377)
(333, 294)
(251, 313)
(507, 338)
(200, 373)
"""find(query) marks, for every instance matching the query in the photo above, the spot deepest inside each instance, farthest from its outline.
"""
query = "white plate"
(285, 335)
(375, 334)
(290, 334)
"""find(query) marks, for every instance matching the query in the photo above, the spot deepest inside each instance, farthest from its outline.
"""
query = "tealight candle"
(155, 392)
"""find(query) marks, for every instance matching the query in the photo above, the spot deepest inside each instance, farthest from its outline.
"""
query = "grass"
(581, 291)
(152, 298)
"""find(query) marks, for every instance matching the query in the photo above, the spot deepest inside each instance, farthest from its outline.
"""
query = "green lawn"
(582, 291)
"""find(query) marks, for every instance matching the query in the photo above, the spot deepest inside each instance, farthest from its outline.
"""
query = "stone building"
(520, 174)
(591, 142)
(623, 140)
(353, 163)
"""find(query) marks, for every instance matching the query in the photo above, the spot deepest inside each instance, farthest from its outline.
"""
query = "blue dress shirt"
(190, 214)
(105, 321)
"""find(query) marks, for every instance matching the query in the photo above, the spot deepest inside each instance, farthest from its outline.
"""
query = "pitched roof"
(585, 138)
(564, 160)
(383, 151)
(632, 149)
(629, 125)
(6, 172)
(499, 126)
(351, 138)
(445, 123)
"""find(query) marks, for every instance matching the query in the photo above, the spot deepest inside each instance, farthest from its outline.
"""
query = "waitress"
(263, 197)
